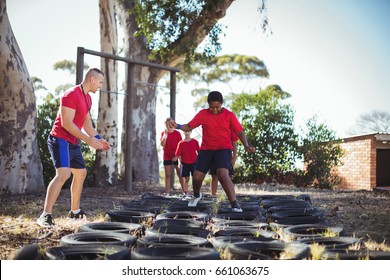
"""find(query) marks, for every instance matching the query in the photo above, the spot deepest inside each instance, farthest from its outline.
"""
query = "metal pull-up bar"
(129, 98)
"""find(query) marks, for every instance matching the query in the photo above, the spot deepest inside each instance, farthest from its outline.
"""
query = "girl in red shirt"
(170, 138)
(187, 152)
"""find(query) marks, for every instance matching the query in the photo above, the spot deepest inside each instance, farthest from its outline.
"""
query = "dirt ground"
(362, 214)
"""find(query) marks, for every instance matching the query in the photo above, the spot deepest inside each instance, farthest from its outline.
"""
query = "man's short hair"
(215, 96)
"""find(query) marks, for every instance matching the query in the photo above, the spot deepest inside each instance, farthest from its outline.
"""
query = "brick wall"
(359, 169)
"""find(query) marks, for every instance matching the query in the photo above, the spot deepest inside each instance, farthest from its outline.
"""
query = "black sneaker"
(45, 221)
(79, 215)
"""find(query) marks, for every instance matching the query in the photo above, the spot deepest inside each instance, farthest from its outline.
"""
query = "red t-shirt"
(217, 129)
(73, 98)
(170, 146)
(188, 151)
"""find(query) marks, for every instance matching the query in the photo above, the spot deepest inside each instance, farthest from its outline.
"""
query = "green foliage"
(321, 152)
(269, 126)
(164, 23)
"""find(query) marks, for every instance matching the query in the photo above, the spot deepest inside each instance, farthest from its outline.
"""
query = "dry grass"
(364, 215)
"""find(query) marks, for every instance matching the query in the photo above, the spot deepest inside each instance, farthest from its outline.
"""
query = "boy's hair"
(215, 96)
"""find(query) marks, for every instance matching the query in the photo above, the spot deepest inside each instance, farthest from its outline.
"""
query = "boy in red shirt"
(169, 140)
(216, 149)
(187, 152)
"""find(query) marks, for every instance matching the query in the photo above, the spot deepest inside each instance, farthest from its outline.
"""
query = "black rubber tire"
(299, 220)
(240, 231)
(221, 242)
(310, 230)
(355, 255)
(245, 216)
(129, 228)
(179, 208)
(177, 230)
(291, 213)
(331, 243)
(291, 202)
(175, 253)
(130, 216)
(30, 252)
(89, 252)
(173, 240)
(254, 250)
(238, 223)
(178, 223)
(187, 215)
(98, 238)
(287, 207)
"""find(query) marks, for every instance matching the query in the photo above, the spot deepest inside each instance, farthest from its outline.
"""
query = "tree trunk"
(106, 164)
(145, 158)
(20, 162)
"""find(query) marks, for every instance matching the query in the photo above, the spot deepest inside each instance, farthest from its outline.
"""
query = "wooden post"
(79, 65)
(129, 128)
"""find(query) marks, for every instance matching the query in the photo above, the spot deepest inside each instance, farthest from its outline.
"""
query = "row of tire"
(155, 227)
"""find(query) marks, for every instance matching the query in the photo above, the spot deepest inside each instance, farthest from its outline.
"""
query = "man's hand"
(105, 144)
(250, 149)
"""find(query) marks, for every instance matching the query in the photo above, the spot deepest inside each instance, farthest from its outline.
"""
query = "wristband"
(97, 136)
(178, 126)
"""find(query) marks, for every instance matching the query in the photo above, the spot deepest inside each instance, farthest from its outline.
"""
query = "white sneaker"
(237, 210)
(194, 201)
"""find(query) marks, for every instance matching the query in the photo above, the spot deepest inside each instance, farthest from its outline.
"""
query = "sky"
(332, 56)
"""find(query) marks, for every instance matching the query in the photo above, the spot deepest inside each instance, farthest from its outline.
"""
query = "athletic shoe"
(194, 200)
(45, 221)
(237, 210)
(79, 215)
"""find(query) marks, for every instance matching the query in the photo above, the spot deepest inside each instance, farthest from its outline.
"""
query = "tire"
(237, 223)
(300, 220)
(129, 228)
(130, 216)
(291, 202)
(310, 231)
(98, 238)
(188, 215)
(255, 250)
(179, 223)
(172, 240)
(178, 253)
(178, 208)
(241, 231)
(355, 255)
(30, 252)
(239, 216)
(221, 242)
(156, 231)
(303, 212)
(89, 252)
(331, 243)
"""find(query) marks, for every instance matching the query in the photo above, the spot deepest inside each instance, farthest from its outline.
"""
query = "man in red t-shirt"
(63, 143)
(187, 152)
(169, 140)
(216, 150)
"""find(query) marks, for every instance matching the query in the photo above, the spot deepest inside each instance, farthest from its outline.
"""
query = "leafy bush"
(321, 152)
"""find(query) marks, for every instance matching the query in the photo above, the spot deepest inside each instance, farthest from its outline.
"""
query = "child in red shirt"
(216, 150)
(170, 138)
(187, 152)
